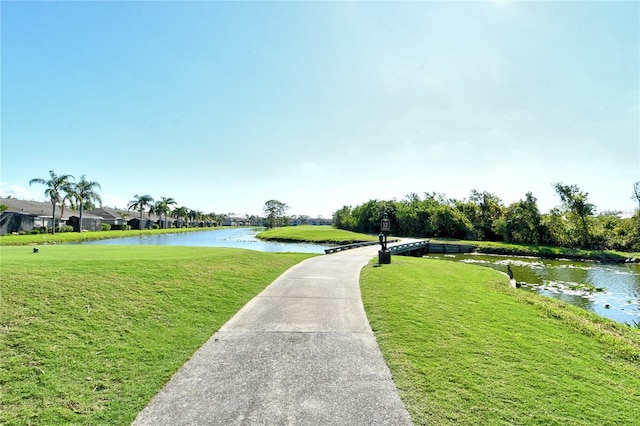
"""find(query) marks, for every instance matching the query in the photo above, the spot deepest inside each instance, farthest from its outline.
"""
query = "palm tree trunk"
(53, 228)
(585, 232)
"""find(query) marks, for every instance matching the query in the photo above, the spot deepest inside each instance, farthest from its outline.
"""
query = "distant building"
(114, 217)
(90, 222)
(24, 216)
(310, 221)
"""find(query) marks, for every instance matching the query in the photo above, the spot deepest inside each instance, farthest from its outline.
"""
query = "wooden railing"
(413, 248)
(417, 246)
(349, 246)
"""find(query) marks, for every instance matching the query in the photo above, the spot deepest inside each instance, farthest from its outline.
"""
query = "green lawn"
(465, 348)
(88, 334)
(315, 234)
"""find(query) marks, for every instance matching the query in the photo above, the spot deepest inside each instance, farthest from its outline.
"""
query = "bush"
(155, 226)
(105, 227)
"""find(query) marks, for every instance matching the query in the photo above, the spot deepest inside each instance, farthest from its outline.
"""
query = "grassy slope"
(88, 334)
(543, 251)
(315, 234)
(66, 237)
(465, 348)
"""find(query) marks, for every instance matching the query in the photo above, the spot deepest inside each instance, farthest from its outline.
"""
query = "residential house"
(24, 216)
(90, 222)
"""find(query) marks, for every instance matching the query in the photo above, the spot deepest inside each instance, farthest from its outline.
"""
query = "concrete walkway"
(300, 353)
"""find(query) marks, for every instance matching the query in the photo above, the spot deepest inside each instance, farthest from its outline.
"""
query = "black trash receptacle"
(384, 257)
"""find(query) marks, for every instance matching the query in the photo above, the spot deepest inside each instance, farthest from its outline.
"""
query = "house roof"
(111, 213)
(108, 213)
(41, 209)
(35, 208)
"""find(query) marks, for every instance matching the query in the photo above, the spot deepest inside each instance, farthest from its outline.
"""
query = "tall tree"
(140, 202)
(167, 202)
(162, 207)
(488, 211)
(342, 218)
(195, 216)
(577, 202)
(275, 213)
(181, 213)
(84, 195)
(521, 222)
(57, 187)
(636, 193)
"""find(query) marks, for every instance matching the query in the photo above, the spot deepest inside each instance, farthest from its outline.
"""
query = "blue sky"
(224, 105)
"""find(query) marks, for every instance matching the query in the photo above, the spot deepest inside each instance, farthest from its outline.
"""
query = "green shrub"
(105, 227)
(155, 226)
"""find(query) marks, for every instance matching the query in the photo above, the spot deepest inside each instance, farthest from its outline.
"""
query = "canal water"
(610, 290)
(244, 238)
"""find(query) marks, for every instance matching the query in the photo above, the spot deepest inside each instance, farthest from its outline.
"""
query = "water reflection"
(574, 282)
(227, 237)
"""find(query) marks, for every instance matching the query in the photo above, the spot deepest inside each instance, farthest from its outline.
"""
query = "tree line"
(482, 216)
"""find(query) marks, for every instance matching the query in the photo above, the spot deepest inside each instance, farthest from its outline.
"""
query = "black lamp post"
(384, 255)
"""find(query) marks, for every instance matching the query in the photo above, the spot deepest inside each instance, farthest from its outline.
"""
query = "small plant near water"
(587, 287)
(634, 324)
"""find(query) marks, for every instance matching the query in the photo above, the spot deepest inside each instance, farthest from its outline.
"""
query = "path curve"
(300, 353)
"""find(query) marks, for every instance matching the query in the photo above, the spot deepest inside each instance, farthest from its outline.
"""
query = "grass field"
(315, 234)
(465, 348)
(88, 334)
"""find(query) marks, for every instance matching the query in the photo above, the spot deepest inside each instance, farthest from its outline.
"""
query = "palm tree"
(181, 213)
(196, 216)
(162, 206)
(124, 216)
(56, 186)
(158, 208)
(140, 202)
(84, 195)
(67, 192)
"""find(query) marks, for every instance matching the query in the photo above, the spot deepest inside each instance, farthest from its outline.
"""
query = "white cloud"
(16, 191)
(109, 200)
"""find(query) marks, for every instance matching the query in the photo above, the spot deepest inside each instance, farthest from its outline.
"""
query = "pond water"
(610, 290)
(232, 237)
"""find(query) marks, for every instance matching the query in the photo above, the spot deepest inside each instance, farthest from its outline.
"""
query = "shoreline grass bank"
(323, 234)
(465, 348)
(543, 251)
(89, 334)
(74, 237)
